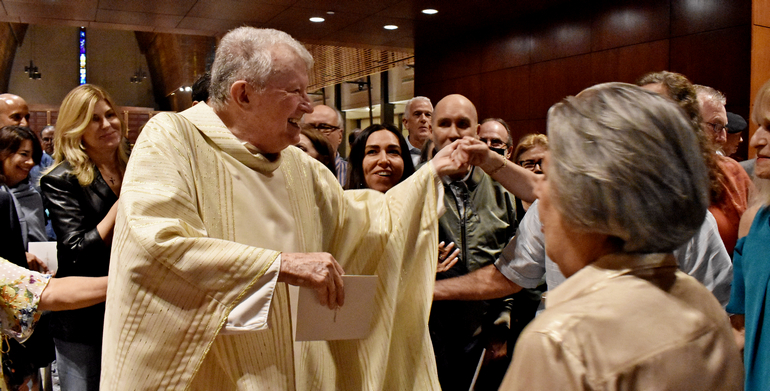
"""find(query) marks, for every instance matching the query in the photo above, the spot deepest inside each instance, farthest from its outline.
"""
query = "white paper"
(351, 321)
(46, 251)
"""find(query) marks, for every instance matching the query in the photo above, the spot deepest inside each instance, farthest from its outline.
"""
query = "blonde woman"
(81, 192)
(749, 297)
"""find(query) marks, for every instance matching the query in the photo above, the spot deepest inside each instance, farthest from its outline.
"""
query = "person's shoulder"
(748, 219)
(61, 171)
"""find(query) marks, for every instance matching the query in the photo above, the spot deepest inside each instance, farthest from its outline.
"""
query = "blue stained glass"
(82, 55)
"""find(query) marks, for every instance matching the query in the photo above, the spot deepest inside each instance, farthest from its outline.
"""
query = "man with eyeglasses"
(732, 200)
(328, 121)
(497, 135)
(713, 114)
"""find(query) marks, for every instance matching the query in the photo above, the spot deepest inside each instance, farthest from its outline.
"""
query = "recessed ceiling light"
(329, 12)
(429, 11)
(316, 19)
(390, 27)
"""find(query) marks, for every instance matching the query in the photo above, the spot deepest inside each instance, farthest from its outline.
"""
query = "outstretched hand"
(480, 155)
(452, 159)
(319, 271)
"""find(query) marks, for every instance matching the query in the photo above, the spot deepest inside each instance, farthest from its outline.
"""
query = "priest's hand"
(451, 159)
(480, 155)
(319, 271)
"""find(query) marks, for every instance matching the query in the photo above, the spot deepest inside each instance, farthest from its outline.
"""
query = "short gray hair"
(626, 163)
(706, 93)
(340, 120)
(408, 107)
(245, 54)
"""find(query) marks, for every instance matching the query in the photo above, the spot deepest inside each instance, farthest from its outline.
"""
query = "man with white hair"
(217, 216)
(417, 121)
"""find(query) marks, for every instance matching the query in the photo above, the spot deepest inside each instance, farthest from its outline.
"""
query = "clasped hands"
(457, 157)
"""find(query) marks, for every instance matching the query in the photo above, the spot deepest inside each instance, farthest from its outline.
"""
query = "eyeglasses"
(531, 164)
(494, 142)
(717, 128)
(325, 128)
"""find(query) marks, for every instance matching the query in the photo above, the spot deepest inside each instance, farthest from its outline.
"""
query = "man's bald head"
(454, 118)
(13, 110)
(327, 120)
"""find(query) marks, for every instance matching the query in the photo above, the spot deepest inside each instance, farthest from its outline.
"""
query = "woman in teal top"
(751, 264)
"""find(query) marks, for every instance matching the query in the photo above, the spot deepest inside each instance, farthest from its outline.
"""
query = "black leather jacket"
(75, 212)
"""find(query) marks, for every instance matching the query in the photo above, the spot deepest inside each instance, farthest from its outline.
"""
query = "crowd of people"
(622, 250)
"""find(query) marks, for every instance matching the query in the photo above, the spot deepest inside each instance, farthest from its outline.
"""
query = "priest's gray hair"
(625, 162)
(245, 53)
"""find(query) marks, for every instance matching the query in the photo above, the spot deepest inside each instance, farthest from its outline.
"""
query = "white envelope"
(351, 321)
(46, 251)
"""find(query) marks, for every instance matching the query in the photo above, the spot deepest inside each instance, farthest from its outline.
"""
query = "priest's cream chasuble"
(201, 224)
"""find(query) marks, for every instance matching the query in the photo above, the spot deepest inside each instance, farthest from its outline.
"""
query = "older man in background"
(417, 121)
(497, 135)
(328, 121)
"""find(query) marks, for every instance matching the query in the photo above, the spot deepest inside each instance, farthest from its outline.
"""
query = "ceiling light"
(390, 27)
(429, 11)
(316, 19)
(329, 12)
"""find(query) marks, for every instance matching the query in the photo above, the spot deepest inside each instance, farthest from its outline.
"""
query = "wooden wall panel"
(553, 80)
(567, 50)
(604, 66)
(505, 102)
(506, 51)
(760, 56)
(451, 60)
(469, 86)
(696, 16)
(719, 59)
(630, 24)
(637, 60)
(561, 39)
(760, 13)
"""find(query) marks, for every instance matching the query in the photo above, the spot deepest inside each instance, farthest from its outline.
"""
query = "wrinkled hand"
(451, 159)
(479, 154)
(319, 271)
(446, 258)
(36, 263)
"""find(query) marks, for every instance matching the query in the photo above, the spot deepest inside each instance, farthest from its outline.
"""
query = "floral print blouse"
(20, 291)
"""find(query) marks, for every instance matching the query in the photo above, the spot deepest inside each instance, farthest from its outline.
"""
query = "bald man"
(480, 219)
(13, 110)
(328, 121)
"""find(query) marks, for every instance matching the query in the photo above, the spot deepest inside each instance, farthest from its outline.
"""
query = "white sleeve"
(251, 313)
(705, 258)
(523, 259)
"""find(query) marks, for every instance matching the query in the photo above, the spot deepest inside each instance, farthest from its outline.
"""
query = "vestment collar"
(604, 269)
(208, 122)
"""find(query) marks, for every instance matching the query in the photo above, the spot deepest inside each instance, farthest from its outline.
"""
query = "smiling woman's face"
(17, 165)
(382, 164)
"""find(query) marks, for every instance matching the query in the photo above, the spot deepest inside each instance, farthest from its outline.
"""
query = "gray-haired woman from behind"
(625, 184)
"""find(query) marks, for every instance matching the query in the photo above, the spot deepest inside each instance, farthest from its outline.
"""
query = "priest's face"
(278, 109)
